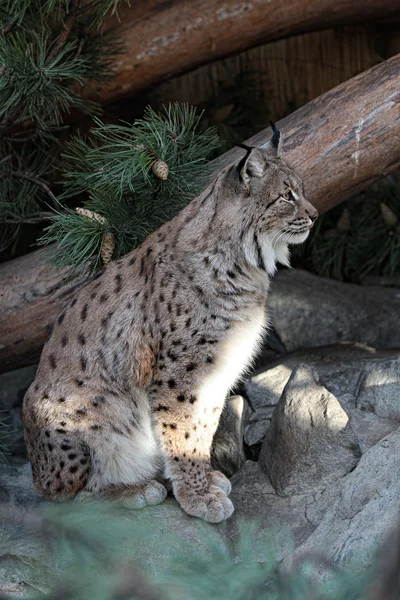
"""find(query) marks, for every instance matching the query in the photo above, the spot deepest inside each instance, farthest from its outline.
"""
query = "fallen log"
(340, 143)
(163, 39)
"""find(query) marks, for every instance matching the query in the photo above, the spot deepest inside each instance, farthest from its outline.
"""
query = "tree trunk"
(340, 144)
(163, 39)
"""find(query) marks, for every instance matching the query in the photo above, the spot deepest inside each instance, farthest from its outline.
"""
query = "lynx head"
(271, 199)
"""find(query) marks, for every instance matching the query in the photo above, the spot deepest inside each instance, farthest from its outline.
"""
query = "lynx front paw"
(217, 478)
(147, 495)
(213, 505)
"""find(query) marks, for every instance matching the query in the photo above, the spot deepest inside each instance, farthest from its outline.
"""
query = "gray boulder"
(352, 372)
(310, 442)
(280, 522)
(308, 311)
(16, 484)
(149, 537)
(257, 423)
(365, 508)
(379, 389)
(368, 428)
(13, 386)
(339, 368)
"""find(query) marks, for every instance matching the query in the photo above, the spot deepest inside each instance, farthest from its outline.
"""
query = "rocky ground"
(311, 439)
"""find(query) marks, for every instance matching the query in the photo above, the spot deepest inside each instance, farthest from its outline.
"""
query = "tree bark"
(163, 39)
(340, 143)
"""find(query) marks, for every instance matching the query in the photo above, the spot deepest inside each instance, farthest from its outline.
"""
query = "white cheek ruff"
(298, 238)
(274, 250)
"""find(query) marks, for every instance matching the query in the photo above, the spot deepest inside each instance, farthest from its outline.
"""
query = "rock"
(257, 423)
(280, 523)
(307, 310)
(24, 560)
(149, 537)
(264, 389)
(346, 370)
(227, 453)
(13, 386)
(379, 389)
(254, 433)
(368, 428)
(340, 368)
(365, 508)
(16, 484)
(310, 442)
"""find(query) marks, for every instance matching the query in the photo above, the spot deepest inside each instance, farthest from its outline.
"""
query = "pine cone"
(93, 216)
(160, 169)
(343, 223)
(107, 248)
(388, 215)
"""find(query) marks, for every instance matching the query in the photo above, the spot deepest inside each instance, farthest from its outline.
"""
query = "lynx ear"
(252, 165)
(273, 148)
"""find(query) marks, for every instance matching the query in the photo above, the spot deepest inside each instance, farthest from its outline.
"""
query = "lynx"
(133, 379)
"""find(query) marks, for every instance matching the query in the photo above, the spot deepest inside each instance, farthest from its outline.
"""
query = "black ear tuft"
(276, 135)
(273, 148)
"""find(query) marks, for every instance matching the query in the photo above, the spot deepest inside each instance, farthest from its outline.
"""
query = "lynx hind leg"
(126, 459)
(59, 457)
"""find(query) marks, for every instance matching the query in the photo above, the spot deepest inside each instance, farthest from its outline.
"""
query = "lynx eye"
(287, 197)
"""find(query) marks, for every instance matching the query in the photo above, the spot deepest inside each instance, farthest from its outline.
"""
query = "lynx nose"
(312, 215)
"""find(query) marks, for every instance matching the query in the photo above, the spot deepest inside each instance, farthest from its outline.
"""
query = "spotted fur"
(132, 382)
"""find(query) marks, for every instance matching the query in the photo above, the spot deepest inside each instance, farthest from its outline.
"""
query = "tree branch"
(64, 35)
(7, 28)
(163, 39)
(41, 184)
(36, 218)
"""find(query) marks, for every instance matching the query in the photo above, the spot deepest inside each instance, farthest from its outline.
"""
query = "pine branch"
(67, 27)
(7, 28)
(39, 183)
(33, 219)
(40, 71)
(118, 170)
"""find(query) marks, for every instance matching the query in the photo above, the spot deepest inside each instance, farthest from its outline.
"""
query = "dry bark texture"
(340, 143)
(162, 39)
(32, 294)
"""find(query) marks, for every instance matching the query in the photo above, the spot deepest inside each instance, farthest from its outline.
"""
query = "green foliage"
(113, 168)
(48, 50)
(353, 241)
(97, 553)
